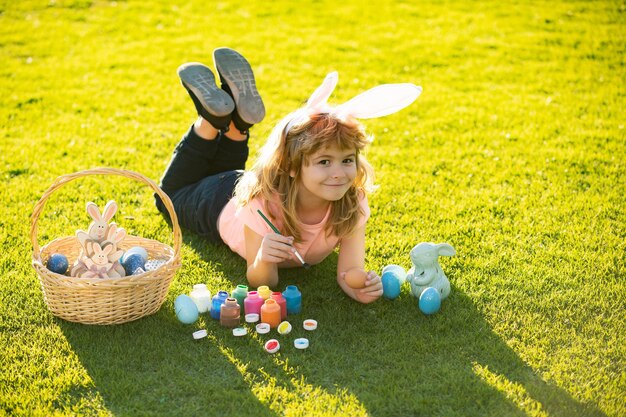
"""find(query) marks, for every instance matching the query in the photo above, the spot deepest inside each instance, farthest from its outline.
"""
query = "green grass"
(514, 154)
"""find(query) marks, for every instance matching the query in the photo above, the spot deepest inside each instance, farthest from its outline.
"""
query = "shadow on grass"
(399, 362)
(381, 359)
(154, 367)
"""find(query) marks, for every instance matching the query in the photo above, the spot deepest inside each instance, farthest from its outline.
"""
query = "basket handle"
(64, 179)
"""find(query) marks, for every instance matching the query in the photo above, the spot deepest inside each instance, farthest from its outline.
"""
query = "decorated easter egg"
(185, 309)
(355, 278)
(154, 264)
(430, 301)
(57, 263)
(135, 250)
(132, 262)
(391, 285)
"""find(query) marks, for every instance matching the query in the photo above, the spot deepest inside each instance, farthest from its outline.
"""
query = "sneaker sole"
(235, 70)
(200, 80)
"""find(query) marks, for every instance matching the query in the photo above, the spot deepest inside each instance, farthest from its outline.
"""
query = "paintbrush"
(269, 223)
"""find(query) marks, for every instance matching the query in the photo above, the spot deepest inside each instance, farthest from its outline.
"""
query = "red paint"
(272, 345)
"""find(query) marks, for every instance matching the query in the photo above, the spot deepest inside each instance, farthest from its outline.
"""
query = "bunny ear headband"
(379, 101)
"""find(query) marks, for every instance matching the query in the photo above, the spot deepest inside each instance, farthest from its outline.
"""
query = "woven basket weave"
(108, 300)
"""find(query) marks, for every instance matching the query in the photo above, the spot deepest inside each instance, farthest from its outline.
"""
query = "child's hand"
(276, 248)
(373, 289)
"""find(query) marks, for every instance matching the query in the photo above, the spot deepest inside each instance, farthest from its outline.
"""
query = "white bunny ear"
(82, 237)
(445, 249)
(107, 249)
(89, 248)
(317, 102)
(94, 211)
(115, 256)
(119, 235)
(380, 101)
(109, 210)
(111, 231)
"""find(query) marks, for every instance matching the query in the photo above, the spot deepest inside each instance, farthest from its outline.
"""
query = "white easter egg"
(135, 250)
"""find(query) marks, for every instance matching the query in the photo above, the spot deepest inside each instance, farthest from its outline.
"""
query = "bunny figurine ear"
(109, 210)
(317, 103)
(380, 101)
(94, 211)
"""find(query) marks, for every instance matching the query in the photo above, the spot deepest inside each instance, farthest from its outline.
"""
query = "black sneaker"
(212, 103)
(238, 80)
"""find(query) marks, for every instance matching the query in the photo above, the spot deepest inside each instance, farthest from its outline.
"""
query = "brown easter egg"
(355, 278)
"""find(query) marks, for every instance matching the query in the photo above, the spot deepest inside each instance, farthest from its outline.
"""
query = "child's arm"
(352, 255)
(263, 254)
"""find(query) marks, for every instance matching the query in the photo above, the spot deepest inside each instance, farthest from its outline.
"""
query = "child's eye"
(324, 162)
(348, 161)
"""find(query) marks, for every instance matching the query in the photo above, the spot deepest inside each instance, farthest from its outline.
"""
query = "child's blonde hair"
(286, 152)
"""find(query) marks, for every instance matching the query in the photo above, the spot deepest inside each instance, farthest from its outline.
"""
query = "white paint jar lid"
(301, 343)
(200, 334)
(262, 328)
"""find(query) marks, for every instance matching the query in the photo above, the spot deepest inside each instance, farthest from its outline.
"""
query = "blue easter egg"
(132, 262)
(186, 310)
(430, 301)
(57, 263)
(396, 270)
(135, 250)
(391, 285)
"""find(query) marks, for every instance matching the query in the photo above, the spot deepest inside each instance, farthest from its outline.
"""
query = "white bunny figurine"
(114, 237)
(79, 267)
(98, 266)
(100, 225)
(426, 271)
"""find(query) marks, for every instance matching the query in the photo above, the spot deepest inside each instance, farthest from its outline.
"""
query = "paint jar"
(201, 296)
(253, 303)
(216, 304)
(293, 296)
(264, 291)
(270, 313)
(278, 296)
(229, 313)
(240, 293)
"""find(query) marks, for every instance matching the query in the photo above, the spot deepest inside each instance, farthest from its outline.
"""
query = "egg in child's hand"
(355, 278)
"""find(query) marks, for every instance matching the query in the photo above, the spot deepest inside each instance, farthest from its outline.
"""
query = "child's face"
(329, 174)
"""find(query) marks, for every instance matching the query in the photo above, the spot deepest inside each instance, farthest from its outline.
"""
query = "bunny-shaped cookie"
(79, 267)
(114, 237)
(100, 225)
(98, 265)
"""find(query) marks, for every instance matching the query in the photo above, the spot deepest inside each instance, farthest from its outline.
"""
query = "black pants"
(200, 180)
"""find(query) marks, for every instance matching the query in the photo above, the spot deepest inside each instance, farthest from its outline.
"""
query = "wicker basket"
(108, 300)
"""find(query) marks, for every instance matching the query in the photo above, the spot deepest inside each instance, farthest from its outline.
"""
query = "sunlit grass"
(514, 154)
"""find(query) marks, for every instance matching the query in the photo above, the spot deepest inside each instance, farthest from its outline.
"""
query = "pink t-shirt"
(315, 245)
